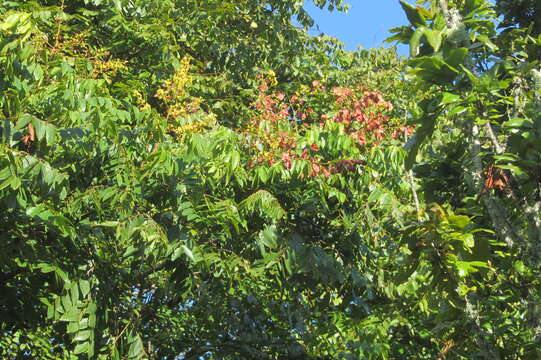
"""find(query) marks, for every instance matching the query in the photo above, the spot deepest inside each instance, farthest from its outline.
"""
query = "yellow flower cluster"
(77, 47)
(109, 67)
(179, 103)
(198, 126)
(173, 91)
(140, 101)
(271, 77)
(76, 42)
(181, 106)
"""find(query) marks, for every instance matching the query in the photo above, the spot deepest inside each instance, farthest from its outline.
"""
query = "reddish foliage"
(274, 132)
(496, 178)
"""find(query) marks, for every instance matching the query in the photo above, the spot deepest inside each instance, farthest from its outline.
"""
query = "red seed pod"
(315, 169)
(326, 172)
(287, 164)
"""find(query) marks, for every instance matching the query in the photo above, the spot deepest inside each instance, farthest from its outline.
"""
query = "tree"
(139, 225)
(189, 179)
(524, 13)
(475, 132)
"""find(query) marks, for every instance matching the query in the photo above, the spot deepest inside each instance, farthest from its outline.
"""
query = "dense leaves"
(202, 179)
(524, 13)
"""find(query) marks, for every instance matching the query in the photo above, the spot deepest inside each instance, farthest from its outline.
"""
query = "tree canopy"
(204, 180)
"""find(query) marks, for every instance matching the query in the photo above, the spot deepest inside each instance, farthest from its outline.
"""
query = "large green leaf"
(414, 15)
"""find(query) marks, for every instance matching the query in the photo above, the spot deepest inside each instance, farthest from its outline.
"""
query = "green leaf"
(434, 38)
(74, 294)
(130, 250)
(460, 221)
(136, 350)
(234, 160)
(375, 194)
(13, 20)
(415, 41)
(188, 252)
(40, 128)
(455, 57)
(72, 327)
(515, 169)
(263, 173)
(448, 98)
(62, 275)
(267, 238)
(519, 123)
(466, 267)
(8, 182)
(82, 348)
(413, 14)
(519, 267)
(456, 110)
(469, 240)
(433, 69)
(263, 201)
(403, 34)
(37, 72)
(73, 314)
(485, 40)
(84, 285)
(83, 335)
(92, 320)
(50, 135)
(414, 143)
(35, 210)
(108, 223)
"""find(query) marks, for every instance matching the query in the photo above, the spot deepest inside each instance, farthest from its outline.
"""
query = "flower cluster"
(77, 47)
(142, 104)
(194, 125)
(180, 106)
(174, 93)
(106, 66)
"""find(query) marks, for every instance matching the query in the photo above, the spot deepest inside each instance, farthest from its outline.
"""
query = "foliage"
(474, 133)
(524, 13)
(202, 179)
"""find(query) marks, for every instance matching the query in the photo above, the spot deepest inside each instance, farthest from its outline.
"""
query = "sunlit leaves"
(263, 201)
(159, 208)
(414, 14)
(468, 136)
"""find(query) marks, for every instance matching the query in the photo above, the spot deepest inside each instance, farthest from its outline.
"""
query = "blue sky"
(367, 22)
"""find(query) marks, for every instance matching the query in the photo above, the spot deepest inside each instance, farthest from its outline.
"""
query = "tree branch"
(496, 213)
(529, 208)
